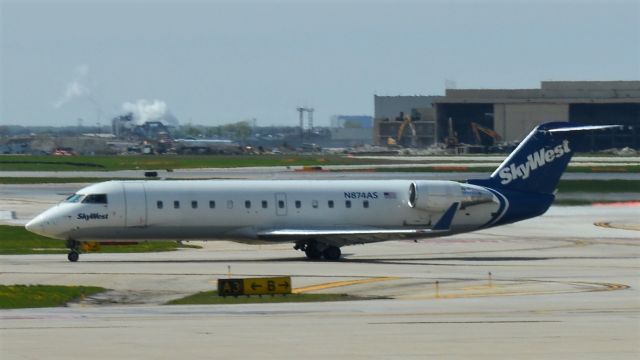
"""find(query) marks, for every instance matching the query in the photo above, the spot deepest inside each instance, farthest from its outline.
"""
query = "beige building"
(512, 113)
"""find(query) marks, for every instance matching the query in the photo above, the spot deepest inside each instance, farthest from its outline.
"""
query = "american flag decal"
(389, 195)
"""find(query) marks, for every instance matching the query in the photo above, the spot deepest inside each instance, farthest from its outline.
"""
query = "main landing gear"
(315, 250)
(74, 253)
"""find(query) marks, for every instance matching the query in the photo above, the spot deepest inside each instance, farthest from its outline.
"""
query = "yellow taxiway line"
(609, 225)
(501, 291)
(336, 284)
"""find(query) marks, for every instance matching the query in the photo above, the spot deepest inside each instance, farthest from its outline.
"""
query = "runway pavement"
(560, 287)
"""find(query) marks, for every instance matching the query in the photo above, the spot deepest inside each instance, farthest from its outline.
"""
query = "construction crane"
(477, 128)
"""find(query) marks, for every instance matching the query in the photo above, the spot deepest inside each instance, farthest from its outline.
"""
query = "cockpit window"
(95, 199)
(74, 198)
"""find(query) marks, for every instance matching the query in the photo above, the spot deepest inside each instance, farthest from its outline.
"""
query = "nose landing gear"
(74, 254)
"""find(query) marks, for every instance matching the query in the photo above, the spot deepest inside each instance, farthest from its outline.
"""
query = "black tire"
(312, 252)
(332, 253)
(73, 256)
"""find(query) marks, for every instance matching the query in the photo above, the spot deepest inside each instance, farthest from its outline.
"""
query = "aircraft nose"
(43, 225)
(35, 225)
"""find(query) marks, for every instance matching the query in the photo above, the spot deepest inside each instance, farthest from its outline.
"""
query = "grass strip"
(57, 180)
(212, 298)
(34, 296)
(142, 162)
(16, 240)
(83, 180)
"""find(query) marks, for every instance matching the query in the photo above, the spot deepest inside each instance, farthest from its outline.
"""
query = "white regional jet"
(319, 216)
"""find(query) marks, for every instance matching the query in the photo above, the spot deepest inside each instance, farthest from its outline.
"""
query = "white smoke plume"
(145, 110)
(76, 88)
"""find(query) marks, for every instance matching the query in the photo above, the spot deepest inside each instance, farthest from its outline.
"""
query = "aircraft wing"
(344, 235)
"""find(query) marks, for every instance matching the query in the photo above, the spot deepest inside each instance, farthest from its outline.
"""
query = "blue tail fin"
(525, 181)
(537, 164)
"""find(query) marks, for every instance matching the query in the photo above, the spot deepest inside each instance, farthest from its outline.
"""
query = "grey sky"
(217, 62)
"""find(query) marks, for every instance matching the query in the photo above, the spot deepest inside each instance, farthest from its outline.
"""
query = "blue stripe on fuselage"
(504, 205)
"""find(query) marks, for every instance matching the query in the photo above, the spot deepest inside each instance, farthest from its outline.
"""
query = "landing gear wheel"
(74, 246)
(312, 251)
(332, 253)
(73, 256)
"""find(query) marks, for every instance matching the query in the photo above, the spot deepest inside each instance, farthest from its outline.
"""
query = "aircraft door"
(135, 199)
(281, 204)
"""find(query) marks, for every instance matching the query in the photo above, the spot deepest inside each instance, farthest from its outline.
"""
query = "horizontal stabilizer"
(583, 128)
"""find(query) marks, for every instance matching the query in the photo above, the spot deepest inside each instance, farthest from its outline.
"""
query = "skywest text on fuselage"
(92, 216)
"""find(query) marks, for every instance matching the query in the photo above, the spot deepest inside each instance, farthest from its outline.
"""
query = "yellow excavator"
(406, 122)
(477, 128)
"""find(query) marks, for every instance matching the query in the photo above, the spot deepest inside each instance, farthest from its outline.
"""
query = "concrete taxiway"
(558, 286)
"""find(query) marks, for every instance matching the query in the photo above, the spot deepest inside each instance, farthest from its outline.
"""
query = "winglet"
(445, 221)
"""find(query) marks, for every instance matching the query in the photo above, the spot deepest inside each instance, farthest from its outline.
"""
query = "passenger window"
(194, 204)
(298, 204)
(281, 204)
(247, 204)
(212, 204)
(176, 204)
(314, 204)
(265, 204)
(95, 199)
(365, 204)
(229, 204)
(347, 204)
(159, 204)
(330, 203)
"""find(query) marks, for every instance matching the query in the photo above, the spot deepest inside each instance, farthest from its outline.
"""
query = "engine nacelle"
(437, 196)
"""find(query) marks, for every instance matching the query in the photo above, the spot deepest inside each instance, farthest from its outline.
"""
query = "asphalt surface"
(557, 286)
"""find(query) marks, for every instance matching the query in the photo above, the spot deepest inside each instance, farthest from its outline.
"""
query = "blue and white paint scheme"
(318, 216)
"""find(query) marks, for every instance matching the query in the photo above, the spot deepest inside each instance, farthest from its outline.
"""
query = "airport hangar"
(512, 113)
